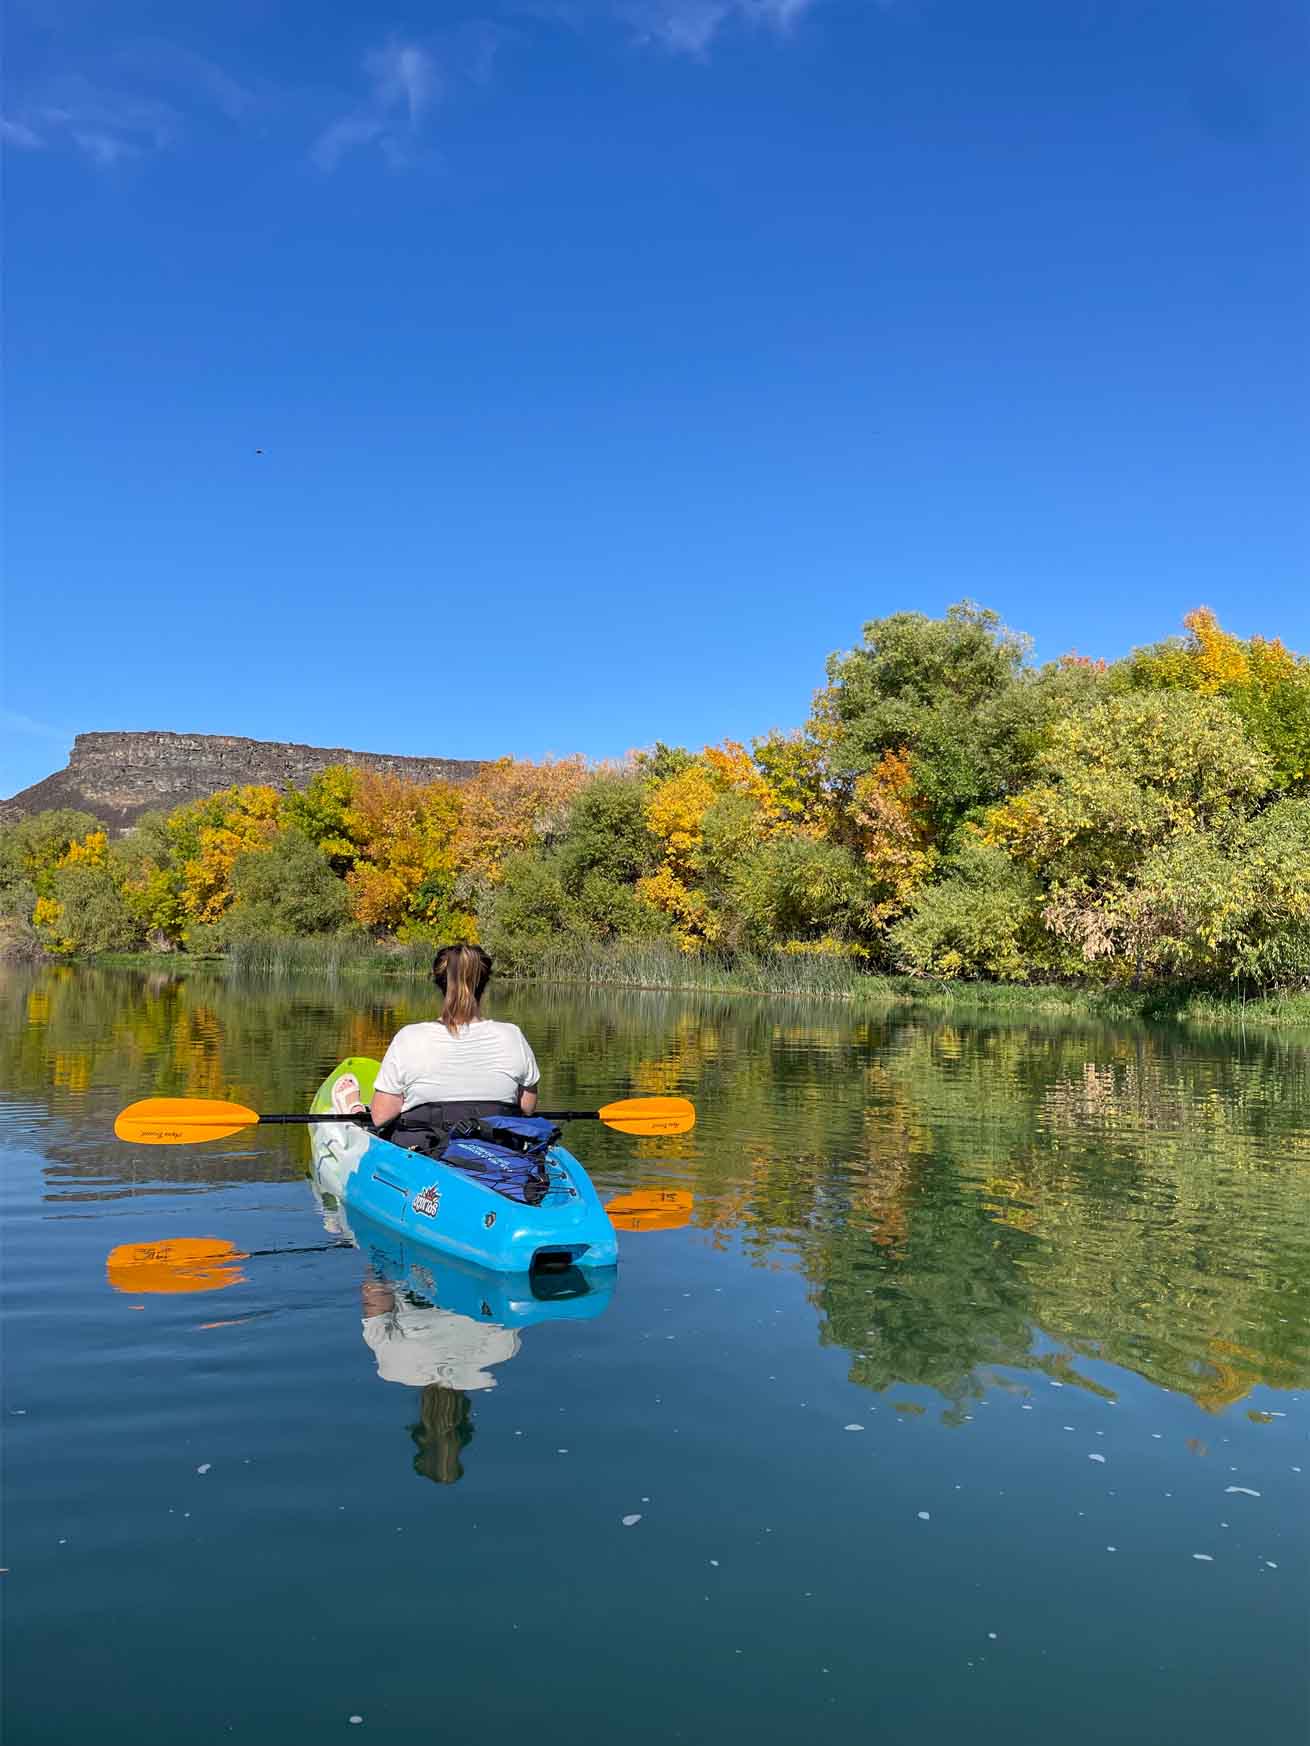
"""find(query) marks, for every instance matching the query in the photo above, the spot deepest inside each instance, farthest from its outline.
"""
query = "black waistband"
(424, 1118)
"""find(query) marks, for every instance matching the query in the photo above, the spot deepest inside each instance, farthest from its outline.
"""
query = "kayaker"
(436, 1073)
(417, 1343)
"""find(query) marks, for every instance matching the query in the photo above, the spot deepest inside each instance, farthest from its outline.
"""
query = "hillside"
(119, 776)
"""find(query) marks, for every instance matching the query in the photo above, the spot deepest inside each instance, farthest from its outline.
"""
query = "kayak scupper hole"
(554, 1260)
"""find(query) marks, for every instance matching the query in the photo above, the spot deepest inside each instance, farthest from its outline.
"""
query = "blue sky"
(614, 362)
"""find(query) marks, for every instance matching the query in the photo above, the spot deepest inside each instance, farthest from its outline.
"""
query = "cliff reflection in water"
(956, 1195)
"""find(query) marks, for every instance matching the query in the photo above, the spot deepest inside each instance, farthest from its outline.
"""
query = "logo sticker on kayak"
(427, 1200)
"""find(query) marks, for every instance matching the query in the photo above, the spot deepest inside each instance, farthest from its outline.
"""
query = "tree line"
(949, 808)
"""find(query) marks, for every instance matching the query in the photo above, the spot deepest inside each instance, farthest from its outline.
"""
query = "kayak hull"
(507, 1300)
(448, 1209)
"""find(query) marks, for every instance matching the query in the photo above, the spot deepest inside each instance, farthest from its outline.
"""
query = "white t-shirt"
(417, 1345)
(485, 1061)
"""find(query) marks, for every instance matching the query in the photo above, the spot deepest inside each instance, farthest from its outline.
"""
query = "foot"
(345, 1095)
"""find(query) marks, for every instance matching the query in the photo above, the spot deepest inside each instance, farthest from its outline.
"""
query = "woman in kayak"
(439, 1072)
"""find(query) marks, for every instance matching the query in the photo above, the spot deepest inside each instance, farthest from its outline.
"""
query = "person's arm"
(385, 1107)
(529, 1076)
(389, 1084)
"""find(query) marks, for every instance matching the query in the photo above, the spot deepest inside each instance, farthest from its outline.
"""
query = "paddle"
(187, 1264)
(183, 1121)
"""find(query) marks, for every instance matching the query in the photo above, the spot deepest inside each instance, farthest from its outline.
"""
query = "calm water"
(975, 1395)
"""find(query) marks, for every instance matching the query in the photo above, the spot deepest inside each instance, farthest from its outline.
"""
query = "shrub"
(980, 920)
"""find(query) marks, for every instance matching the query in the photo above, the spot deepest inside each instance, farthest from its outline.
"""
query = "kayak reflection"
(441, 1325)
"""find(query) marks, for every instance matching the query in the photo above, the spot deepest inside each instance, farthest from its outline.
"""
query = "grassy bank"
(827, 978)
(655, 965)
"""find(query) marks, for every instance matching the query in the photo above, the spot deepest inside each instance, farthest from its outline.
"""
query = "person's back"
(485, 1060)
(459, 1065)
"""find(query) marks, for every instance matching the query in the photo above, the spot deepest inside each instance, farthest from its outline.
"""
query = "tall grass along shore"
(659, 966)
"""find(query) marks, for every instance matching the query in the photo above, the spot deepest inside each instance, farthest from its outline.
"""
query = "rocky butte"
(119, 776)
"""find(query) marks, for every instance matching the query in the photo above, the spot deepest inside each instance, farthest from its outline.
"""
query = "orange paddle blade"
(180, 1121)
(650, 1115)
(650, 1209)
(178, 1264)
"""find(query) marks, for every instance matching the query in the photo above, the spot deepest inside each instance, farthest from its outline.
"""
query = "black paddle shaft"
(362, 1116)
(359, 1115)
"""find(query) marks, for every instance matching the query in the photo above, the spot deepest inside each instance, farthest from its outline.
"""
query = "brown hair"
(462, 974)
(445, 1427)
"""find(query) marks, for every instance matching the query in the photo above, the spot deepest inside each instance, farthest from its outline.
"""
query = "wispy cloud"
(18, 133)
(103, 123)
(404, 86)
(690, 26)
(140, 100)
(151, 96)
(16, 723)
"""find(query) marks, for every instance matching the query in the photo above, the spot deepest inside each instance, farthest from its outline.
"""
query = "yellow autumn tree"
(211, 835)
(794, 769)
(48, 913)
(677, 812)
(83, 908)
(1261, 681)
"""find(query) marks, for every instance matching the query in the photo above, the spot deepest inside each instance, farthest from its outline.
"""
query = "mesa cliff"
(119, 776)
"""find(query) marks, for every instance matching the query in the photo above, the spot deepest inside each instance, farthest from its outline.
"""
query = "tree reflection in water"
(957, 1195)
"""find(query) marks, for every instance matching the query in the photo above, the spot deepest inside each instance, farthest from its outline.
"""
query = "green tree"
(606, 834)
(30, 850)
(528, 911)
(152, 880)
(1264, 683)
(663, 761)
(1130, 786)
(982, 919)
(1118, 779)
(800, 890)
(321, 811)
(288, 888)
(1234, 909)
(93, 915)
(927, 687)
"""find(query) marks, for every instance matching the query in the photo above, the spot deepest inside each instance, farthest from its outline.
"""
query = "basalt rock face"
(119, 776)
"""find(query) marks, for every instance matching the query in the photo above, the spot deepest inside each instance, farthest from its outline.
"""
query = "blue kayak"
(507, 1300)
(450, 1209)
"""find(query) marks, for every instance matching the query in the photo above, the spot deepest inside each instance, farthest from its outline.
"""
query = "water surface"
(973, 1395)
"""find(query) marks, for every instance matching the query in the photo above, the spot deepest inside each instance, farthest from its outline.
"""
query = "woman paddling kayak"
(462, 1065)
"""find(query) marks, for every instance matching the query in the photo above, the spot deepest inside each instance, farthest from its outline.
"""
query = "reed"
(655, 964)
(659, 965)
(329, 955)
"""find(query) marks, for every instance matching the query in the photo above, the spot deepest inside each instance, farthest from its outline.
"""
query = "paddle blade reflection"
(651, 1209)
(180, 1264)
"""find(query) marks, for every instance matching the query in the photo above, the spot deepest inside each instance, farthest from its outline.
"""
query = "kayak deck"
(449, 1209)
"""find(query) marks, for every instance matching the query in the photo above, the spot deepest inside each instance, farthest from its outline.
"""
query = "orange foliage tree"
(893, 835)
(403, 879)
(511, 805)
